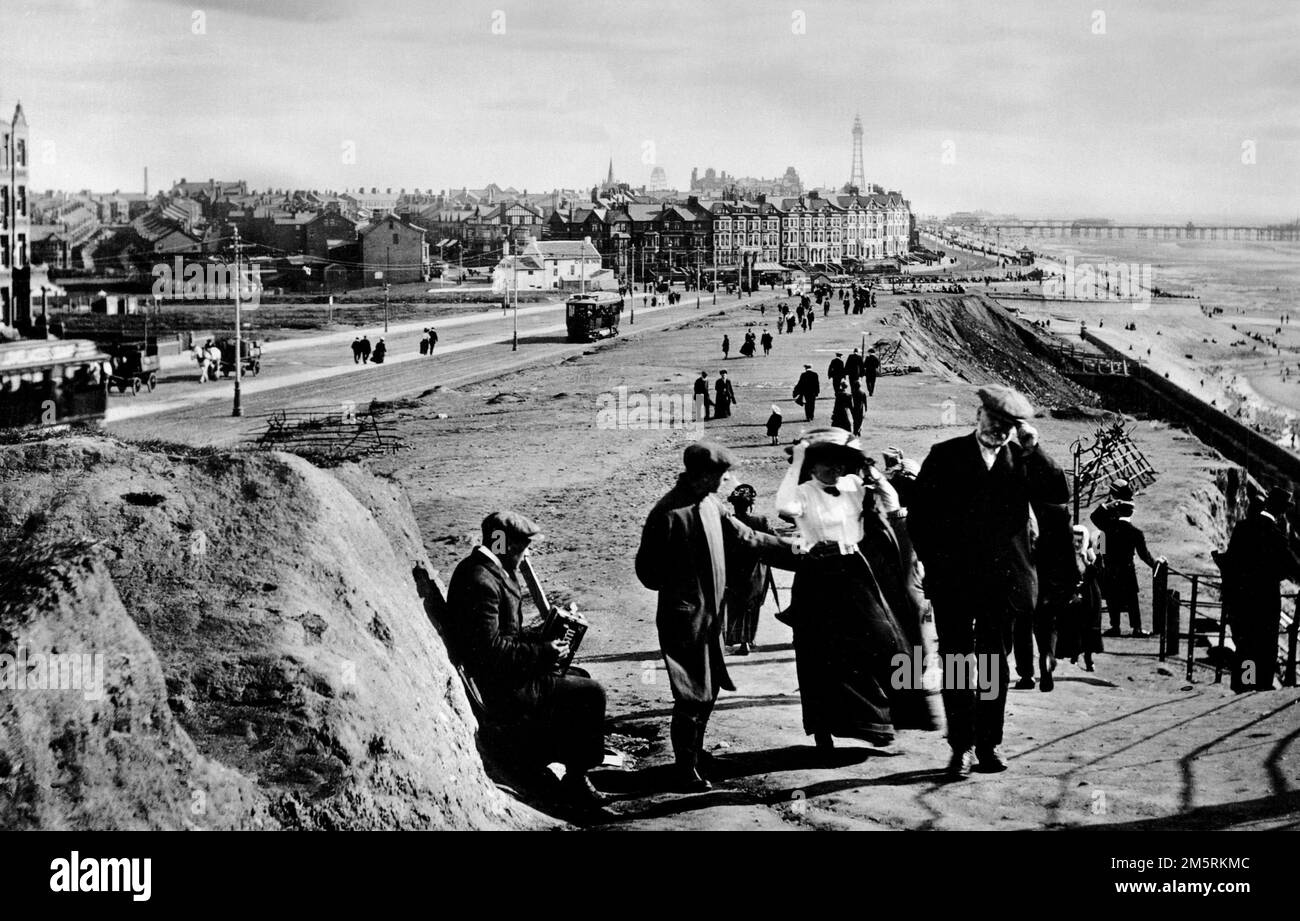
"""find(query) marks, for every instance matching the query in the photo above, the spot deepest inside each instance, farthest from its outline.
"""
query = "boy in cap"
(682, 556)
(558, 715)
(970, 523)
(1122, 540)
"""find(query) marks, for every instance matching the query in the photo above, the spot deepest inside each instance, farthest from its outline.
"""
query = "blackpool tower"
(859, 179)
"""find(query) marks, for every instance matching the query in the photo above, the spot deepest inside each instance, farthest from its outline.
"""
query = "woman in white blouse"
(851, 610)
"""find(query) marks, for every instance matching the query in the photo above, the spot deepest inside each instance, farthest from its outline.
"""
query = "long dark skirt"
(1078, 629)
(845, 642)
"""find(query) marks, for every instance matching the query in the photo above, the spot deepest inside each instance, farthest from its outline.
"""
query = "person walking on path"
(1258, 558)
(774, 423)
(805, 392)
(365, 350)
(766, 341)
(748, 577)
(1122, 539)
(969, 520)
(1078, 631)
(853, 367)
(841, 411)
(682, 557)
(857, 405)
(726, 347)
(789, 324)
(433, 340)
(703, 403)
(870, 370)
(835, 370)
(852, 613)
(356, 350)
(723, 397)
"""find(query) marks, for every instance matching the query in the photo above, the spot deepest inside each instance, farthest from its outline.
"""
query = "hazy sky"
(1010, 106)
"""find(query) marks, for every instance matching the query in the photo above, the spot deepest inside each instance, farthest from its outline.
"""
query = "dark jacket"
(485, 619)
(808, 386)
(853, 366)
(870, 366)
(970, 525)
(674, 561)
(1257, 561)
(835, 370)
(1123, 540)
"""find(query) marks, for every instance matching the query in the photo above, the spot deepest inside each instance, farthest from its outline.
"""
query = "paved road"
(320, 371)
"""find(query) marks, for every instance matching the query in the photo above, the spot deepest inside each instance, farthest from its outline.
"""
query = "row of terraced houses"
(838, 233)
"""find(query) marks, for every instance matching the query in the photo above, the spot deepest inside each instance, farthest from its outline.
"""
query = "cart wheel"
(135, 386)
(152, 383)
(257, 368)
(121, 386)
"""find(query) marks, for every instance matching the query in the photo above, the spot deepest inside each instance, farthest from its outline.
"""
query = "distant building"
(15, 224)
(396, 248)
(553, 264)
(658, 180)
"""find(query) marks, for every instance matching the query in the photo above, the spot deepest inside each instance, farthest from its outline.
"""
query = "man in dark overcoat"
(806, 390)
(556, 715)
(683, 557)
(1259, 557)
(969, 520)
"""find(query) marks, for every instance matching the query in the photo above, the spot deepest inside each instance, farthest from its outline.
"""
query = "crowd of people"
(977, 539)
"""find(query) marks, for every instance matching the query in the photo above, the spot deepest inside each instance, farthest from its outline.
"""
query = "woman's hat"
(743, 493)
(1121, 490)
(832, 445)
(776, 409)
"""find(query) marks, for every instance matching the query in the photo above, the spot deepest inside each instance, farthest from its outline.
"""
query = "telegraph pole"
(238, 409)
(514, 261)
(388, 268)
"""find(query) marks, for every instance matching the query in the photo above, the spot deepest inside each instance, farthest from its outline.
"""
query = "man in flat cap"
(559, 716)
(970, 523)
(1122, 539)
(683, 557)
(1259, 557)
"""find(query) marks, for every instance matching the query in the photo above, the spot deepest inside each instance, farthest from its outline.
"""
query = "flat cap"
(1120, 489)
(706, 457)
(511, 524)
(1005, 402)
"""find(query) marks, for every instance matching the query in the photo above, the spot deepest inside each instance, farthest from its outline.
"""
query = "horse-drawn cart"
(251, 355)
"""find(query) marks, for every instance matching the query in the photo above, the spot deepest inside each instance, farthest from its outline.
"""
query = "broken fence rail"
(339, 431)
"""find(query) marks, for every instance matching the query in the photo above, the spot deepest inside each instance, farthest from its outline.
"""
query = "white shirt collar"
(490, 555)
(1269, 516)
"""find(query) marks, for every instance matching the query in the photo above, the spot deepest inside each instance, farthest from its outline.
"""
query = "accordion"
(564, 624)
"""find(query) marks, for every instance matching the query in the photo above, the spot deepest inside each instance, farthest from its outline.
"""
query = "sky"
(1044, 108)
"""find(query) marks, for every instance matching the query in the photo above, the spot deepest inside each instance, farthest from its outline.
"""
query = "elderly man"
(683, 557)
(970, 521)
(558, 715)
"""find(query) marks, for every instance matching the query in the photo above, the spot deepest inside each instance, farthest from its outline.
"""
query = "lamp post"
(388, 266)
(238, 409)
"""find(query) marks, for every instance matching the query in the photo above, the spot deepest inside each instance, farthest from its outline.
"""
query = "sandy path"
(1132, 743)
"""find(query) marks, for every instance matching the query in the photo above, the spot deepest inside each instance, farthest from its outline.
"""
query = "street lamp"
(238, 409)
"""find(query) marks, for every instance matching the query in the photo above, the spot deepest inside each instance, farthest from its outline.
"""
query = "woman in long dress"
(851, 596)
(1079, 632)
(724, 396)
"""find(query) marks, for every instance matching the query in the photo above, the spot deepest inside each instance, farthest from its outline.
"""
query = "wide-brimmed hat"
(832, 445)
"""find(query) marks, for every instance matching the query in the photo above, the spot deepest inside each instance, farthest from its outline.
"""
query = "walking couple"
(853, 608)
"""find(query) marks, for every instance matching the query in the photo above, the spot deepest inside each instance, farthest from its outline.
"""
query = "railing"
(334, 433)
(1166, 607)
